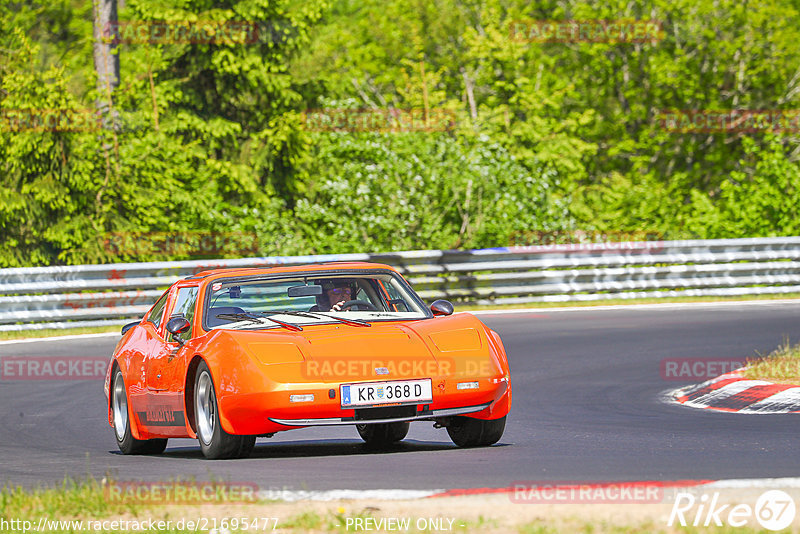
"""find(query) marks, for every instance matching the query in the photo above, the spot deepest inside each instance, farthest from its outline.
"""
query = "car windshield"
(300, 300)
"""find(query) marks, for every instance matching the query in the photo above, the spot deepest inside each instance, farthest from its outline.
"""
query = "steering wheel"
(359, 303)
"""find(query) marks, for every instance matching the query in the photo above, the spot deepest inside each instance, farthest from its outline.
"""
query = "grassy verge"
(70, 499)
(781, 366)
(489, 514)
(54, 332)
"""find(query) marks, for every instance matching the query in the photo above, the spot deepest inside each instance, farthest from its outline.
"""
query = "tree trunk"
(106, 64)
(106, 57)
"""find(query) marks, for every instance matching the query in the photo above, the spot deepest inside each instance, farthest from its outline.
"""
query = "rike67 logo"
(773, 510)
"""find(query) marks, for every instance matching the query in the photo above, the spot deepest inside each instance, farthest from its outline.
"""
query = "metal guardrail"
(96, 295)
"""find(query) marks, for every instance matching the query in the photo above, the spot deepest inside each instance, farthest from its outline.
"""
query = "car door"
(164, 368)
(136, 375)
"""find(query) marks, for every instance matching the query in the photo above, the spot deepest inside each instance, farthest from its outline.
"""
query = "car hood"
(385, 351)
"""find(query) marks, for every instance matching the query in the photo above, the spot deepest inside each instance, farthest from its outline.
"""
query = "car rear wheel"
(469, 432)
(382, 434)
(122, 428)
(215, 443)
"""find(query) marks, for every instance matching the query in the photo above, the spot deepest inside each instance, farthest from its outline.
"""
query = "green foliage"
(413, 190)
(205, 135)
(764, 201)
(548, 136)
(47, 175)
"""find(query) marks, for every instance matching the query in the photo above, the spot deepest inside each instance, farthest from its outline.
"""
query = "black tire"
(382, 435)
(215, 443)
(122, 429)
(469, 432)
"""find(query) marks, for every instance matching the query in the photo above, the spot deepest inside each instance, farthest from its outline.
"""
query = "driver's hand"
(337, 306)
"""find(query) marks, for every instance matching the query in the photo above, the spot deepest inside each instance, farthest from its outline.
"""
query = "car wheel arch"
(131, 420)
(110, 402)
(188, 396)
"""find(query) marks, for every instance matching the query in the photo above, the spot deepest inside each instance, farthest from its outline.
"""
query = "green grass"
(781, 366)
(70, 499)
(52, 332)
(307, 521)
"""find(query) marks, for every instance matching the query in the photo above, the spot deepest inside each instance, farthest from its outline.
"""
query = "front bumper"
(420, 416)
(271, 411)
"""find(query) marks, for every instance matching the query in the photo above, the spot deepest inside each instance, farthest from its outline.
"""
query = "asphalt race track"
(587, 407)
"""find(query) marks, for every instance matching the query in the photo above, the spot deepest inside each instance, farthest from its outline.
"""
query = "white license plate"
(376, 393)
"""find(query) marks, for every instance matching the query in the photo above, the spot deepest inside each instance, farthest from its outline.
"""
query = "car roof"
(308, 268)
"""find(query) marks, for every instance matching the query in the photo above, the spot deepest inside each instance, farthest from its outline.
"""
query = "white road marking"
(788, 482)
(399, 494)
(342, 494)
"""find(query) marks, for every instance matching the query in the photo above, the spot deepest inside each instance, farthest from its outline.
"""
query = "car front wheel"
(215, 443)
(382, 434)
(469, 432)
(122, 427)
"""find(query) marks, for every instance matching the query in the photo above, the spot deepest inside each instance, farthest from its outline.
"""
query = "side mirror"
(442, 307)
(178, 325)
(129, 326)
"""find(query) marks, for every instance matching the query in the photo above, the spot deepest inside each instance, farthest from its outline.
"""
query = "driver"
(339, 294)
(336, 292)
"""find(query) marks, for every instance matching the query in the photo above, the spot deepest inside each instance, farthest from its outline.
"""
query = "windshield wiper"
(354, 322)
(255, 317)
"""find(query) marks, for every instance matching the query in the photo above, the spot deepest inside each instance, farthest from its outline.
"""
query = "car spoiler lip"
(341, 421)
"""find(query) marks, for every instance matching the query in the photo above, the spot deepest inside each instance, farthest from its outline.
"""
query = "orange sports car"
(230, 355)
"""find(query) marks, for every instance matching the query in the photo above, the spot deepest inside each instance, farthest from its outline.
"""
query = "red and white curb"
(732, 392)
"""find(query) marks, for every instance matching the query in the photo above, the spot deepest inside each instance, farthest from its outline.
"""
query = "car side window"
(184, 303)
(369, 292)
(157, 313)
(396, 299)
(361, 294)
